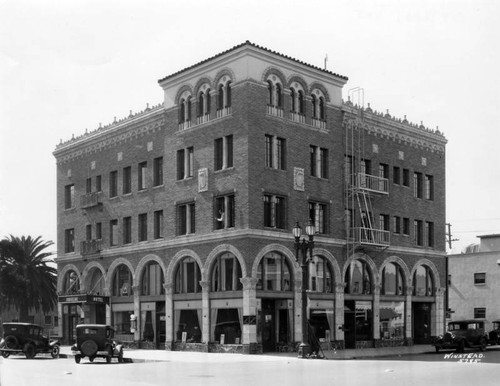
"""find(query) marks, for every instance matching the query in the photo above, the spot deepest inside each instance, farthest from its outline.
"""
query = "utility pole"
(448, 235)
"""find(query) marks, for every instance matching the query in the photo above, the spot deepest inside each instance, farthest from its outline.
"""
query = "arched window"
(320, 275)
(188, 109)
(152, 280)
(322, 108)
(226, 273)
(293, 101)
(122, 281)
(201, 104)
(423, 282)
(274, 273)
(228, 92)
(279, 96)
(314, 106)
(187, 277)
(392, 280)
(182, 110)
(96, 282)
(220, 97)
(358, 278)
(71, 283)
(301, 102)
(270, 93)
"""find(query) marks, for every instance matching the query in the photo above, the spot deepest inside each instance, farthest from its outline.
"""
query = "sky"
(67, 66)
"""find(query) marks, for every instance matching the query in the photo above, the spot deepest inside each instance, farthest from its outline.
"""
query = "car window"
(472, 326)
(90, 331)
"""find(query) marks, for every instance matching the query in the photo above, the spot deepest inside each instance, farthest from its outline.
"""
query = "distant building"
(474, 281)
(180, 216)
(49, 321)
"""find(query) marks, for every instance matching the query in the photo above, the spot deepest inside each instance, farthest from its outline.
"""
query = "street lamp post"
(304, 246)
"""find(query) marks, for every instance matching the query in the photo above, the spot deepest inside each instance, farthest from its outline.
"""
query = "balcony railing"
(184, 125)
(370, 236)
(319, 123)
(90, 200)
(372, 183)
(224, 112)
(297, 117)
(90, 247)
(202, 119)
(275, 111)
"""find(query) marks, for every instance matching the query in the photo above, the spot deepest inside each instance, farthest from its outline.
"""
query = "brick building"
(181, 215)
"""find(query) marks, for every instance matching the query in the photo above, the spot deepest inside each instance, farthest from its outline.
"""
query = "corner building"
(181, 216)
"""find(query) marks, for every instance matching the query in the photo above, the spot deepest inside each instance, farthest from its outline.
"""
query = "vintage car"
(26, 338)
(494, 335)
(463, 334)
(96, 340)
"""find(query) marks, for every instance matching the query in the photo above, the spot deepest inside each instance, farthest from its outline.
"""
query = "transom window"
(152, 280)
(392, 280)
(188, 276)
(226, 273)
(423, 282)
(320, 275)
(358, 278)
(122, 281)
(274, 273)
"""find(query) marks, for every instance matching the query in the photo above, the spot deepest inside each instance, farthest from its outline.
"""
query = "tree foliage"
(28, 276)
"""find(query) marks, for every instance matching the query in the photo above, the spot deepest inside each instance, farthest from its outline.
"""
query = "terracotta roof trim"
(248, 43)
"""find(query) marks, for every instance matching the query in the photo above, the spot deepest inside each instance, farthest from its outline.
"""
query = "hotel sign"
(84, 298)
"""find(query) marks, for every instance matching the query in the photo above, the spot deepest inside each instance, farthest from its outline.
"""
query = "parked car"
(96, 340)
(494, 335)
(462, 334)
(27, 338)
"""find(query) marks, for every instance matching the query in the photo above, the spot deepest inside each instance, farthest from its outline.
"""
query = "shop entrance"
(421, 322)
(358, 329)
(160, 325)
(276, 324)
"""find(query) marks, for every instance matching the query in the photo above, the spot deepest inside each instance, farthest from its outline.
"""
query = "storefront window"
(363, 315)
(274, 273)
(188, 323)
(122, 281)
(358, 278)
(71, 284)
(227, 329)
(320, 275)
(392, 280)
(322, 323)
(226, 273)
(392, 320)
(423, 283)
(188, 276)
(121, 322)
(152, 280)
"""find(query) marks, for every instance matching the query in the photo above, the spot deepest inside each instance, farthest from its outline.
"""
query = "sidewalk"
(136, 355)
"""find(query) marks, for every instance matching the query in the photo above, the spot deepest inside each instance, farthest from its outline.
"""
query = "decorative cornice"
(396, 129)
(92, 141)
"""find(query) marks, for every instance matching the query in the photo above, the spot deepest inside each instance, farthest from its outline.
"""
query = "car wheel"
(461, 346)
(108, 358)
(55, 351)
(78, 358)
(11, 342)
(482, 344)
(120, 356)
(29, 350)
(5, 354)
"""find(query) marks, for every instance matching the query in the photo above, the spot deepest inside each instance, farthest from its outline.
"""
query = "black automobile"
(26, 338)
(494, 335)
(96, 340)
(463, 334)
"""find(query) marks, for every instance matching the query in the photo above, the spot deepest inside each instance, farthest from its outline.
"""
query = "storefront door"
(268, 325)
(421, 323)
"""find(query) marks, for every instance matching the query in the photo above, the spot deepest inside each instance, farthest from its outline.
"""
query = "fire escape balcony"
(90, 247)
(371, 236)
(90, 200)
(371, 183)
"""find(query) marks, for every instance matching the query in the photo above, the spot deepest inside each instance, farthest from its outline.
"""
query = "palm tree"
(28, 278)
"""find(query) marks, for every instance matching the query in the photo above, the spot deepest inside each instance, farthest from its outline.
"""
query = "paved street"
(233, 369)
